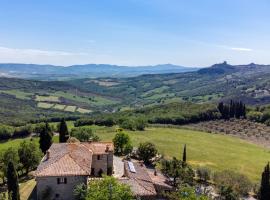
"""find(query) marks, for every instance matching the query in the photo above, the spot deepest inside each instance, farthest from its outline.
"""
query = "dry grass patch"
(45, 105)
(70, 108)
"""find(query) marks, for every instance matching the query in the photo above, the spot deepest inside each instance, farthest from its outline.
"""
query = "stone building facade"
(67, 165)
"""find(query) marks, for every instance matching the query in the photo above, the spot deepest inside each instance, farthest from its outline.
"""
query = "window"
(62, 180)
(93, 171)
(98, 157)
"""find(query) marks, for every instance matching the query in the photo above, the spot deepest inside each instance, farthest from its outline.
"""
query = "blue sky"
(135, 32)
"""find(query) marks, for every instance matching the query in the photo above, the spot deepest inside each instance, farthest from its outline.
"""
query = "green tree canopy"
(186, 193)
(63, 131)
(107, 188)
(264, 192)
(12, 182)
(122, 143)
(180, 172)
(29, 154)
(84, 134)
(146, 151)
(9, 155)
(45, 138)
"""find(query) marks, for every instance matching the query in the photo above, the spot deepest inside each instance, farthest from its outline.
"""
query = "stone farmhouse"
(67, 165)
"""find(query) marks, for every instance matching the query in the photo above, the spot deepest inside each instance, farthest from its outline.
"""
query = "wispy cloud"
(235, 48)
(38, 52)
(240, 49)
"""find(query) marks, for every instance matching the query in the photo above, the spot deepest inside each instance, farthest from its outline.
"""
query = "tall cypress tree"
(265, 184)
(185, 154)
(45, 138)
(12, 182)
(63, 131)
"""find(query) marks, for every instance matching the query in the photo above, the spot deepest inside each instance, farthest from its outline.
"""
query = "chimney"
(107, 148)
(48, 154)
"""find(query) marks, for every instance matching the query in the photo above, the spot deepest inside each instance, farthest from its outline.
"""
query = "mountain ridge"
(54, 72)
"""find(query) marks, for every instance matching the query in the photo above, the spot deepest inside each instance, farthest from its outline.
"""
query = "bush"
(204, 174)
(122, 143)
(255, 116)
(6, 132)
(146, 151)
(84, 134)
(128, 124)
(84, 122)
(238, 183)
(22, 131)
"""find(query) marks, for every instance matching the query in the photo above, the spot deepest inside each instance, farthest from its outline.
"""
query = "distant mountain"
(221, 68)
(51, 72)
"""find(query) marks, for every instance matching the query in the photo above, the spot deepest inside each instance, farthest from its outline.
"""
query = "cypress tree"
(185, 154)
(264, 193)
(45, 138)
(63, 131)
(12, 182)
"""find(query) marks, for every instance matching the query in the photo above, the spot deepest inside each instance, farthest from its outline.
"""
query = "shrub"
(6, 132)
(238, 183)
(122, 143)
(204, 174)
(146, 151)
(255, 116)
(84, 134)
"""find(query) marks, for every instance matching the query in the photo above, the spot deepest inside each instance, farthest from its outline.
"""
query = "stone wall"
(49, 185)
(104, 162)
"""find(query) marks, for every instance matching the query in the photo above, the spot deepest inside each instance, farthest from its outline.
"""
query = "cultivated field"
(47, 98)
(255, 132)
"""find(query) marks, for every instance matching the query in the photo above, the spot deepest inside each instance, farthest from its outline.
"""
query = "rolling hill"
(250, 83)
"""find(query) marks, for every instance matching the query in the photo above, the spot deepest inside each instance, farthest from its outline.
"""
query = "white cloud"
(240, 49)
(235, 48)
(37, 52)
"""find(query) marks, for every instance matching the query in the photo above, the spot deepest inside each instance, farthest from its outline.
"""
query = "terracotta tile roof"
(140, 181)
(71, 158)
(159, 180)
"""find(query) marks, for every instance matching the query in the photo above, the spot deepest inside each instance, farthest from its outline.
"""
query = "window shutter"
(65, 180)
(58, 180)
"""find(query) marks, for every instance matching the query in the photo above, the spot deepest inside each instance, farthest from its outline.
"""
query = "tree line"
(235, 109)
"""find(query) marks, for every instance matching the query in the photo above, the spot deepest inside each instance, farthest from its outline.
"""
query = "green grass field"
(47, 98)
(82, 110)
(59, 106)
(70, 108)
(95, 100)
(217, 152)
(18, 94)
(45, 105)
